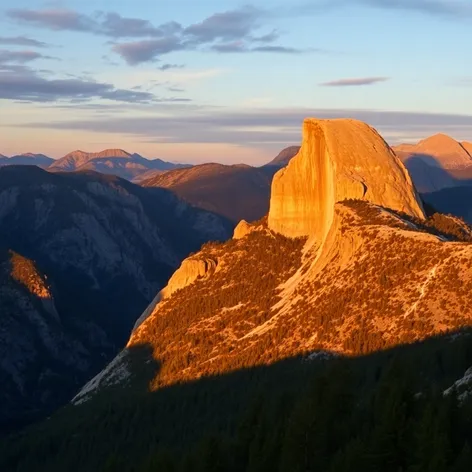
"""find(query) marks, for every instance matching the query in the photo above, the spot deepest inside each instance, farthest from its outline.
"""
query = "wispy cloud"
(242, 47)
(355, 82)
(258, 126)
(22, 41)
(440, 8)
(54, 19)
(170, 66)
(237, 30)
(455, 8)
(21, 57)
(22, 83)
(462, 82)
(147, 50)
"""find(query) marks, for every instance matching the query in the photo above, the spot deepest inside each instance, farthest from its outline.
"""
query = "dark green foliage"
(385, 412)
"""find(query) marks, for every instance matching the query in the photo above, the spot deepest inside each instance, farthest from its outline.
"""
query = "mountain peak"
(339, 159)
(446, 151)
(113, 153)
(442, 143)
(284, 156)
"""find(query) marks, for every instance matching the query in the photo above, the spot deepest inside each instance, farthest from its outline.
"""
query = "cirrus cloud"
(264, 127)
(217, 32)
(355, 82)
(22, 41)
(23, 84)
(21, 57)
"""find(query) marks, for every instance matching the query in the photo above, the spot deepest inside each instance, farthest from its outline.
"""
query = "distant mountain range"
(437, 162)
(29, 158)
(110, 161)
(236, 192)
(441, 169)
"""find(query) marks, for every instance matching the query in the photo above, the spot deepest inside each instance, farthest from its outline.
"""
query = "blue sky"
(228, 81)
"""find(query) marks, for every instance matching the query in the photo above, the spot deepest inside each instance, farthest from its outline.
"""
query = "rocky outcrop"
(191, 269)
(338, 160)
(242, 229)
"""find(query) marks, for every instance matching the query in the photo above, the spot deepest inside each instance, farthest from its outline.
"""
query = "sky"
(228, 81)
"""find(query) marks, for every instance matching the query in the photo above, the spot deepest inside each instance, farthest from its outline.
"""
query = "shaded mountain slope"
(236, 192)
(247, 419)
(456, 201)
(105, 246)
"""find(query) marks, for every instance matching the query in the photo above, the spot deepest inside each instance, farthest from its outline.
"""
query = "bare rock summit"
(339, 160)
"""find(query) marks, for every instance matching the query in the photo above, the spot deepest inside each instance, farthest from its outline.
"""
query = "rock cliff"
(241, 229)
(338, 160)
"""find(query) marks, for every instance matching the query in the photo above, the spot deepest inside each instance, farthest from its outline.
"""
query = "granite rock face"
(338, 160)
(242, 229)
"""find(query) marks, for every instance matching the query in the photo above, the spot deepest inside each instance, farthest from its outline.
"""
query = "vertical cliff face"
(338, 160)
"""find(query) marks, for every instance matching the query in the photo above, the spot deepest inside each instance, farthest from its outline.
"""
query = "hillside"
(454, 201)
(437, 162)
(110, 161)
(332, 335)
(104, 246)
(317, 274)
(236, 192)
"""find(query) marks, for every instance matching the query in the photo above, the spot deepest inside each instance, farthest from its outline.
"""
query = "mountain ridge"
(102, 247)
(234, 191)
(317, 286)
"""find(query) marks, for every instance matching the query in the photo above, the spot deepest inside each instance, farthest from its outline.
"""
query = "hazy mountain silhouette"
(39, 160)
(284, 157)
(111, 161)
